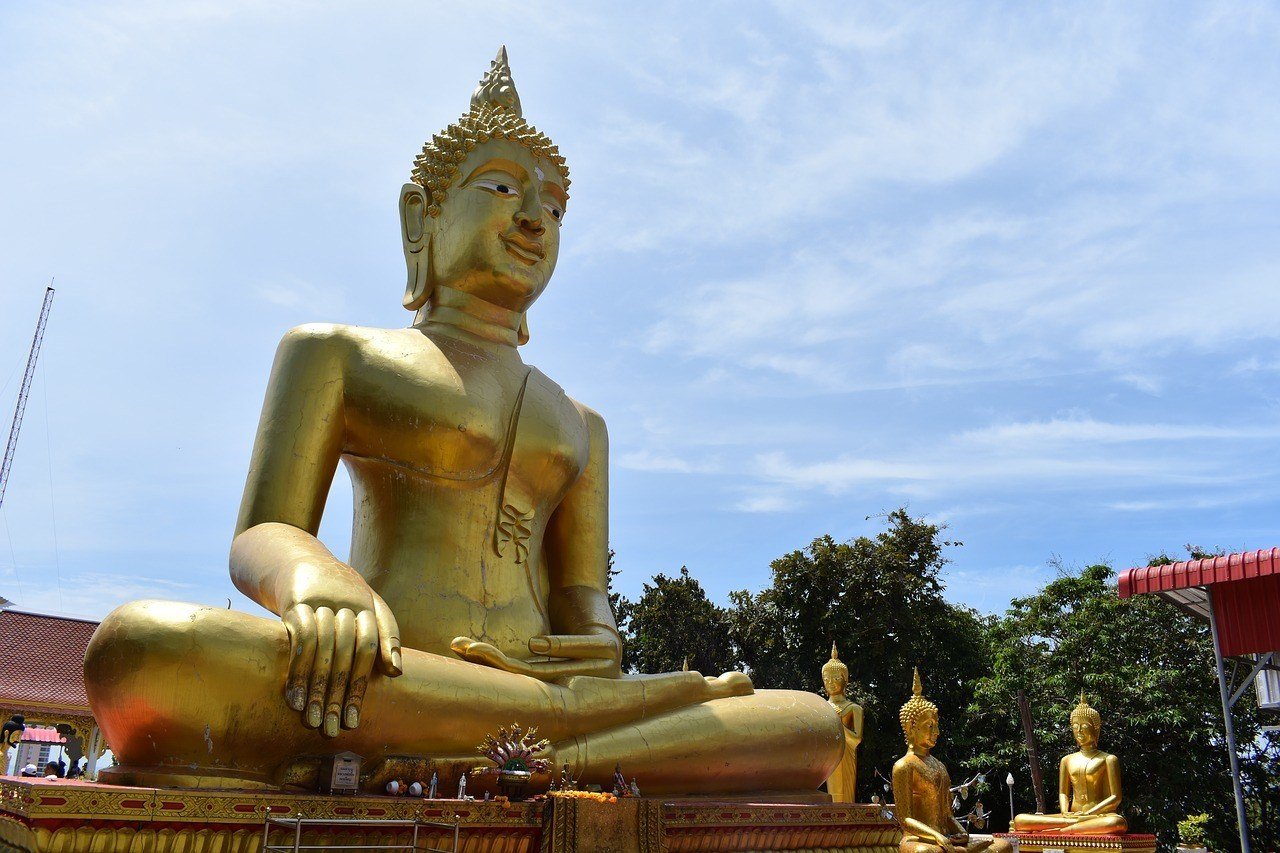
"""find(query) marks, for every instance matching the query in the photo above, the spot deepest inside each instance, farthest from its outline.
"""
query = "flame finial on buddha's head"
(496, 89)
(916, 706)
(495, 114)
(835, 667)
(1084, 712)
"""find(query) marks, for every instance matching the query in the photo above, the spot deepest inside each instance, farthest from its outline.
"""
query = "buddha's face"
(1085, 733)
(497, 235)
(834, 684)
(924, 732)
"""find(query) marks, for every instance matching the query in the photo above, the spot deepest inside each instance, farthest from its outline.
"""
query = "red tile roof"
(42, 659)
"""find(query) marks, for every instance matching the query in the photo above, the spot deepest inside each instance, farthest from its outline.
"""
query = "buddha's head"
(919, 718)
(1086, 724)
(835, 675)
(482, 212)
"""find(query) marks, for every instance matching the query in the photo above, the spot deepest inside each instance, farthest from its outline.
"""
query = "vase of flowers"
(514, 753)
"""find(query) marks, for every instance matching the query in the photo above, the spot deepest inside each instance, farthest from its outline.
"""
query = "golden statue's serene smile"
(476, 589)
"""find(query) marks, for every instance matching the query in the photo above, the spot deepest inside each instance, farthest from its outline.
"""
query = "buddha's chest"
(927, 779)
(465, 419)
(1088, 775)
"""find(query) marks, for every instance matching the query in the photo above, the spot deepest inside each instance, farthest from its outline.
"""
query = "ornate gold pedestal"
(40, 816)
(1060, 842)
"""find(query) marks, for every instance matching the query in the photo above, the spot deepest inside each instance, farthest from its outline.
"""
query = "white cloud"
(766, 503)
(1059, 454)
(662, 463)
(1090, 431)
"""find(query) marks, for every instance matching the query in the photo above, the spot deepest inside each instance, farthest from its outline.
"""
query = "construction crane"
(25, 391)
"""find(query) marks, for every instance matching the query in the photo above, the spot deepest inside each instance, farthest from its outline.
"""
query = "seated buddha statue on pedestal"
(1089, 791)
(922, 787)
(476, 591)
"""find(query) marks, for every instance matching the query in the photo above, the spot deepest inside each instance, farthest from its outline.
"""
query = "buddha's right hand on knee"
(338, 630)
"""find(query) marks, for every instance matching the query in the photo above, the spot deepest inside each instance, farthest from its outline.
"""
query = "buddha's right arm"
(1064, 785)
(337, 625)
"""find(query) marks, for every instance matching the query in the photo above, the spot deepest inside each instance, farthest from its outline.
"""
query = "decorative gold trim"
(40, 816)
(1039, 842)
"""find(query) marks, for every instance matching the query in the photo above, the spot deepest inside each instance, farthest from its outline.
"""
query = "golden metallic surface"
(68, 816)
(476, 588)
(835, 679)
(1058, 842)
(922, 787)
(1089, 790)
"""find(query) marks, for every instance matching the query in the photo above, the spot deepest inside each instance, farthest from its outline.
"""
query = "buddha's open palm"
(338, 629)
(596, 654)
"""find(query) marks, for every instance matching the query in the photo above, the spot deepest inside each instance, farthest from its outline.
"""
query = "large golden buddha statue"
(1089, 792)
(475, 593)
(922, 787)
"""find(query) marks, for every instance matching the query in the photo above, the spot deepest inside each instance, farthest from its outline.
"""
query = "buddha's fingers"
(388, 638)
(362, 666)
(320, 671)
(484, 653)
(489, 655)
(578, 646)
(344, 642)
(300, 622)
(555, 670)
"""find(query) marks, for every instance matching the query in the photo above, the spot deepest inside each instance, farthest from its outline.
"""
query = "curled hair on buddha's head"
(916, 707)
(1084, 713)
(835, 667)
(495, 114)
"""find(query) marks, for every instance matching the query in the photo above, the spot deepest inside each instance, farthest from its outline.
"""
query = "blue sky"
(1014, 265)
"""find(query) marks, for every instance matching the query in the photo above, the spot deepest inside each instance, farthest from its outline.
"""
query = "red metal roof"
(40, 734)
(42, 659)
(1211, 570)
(1246, 595)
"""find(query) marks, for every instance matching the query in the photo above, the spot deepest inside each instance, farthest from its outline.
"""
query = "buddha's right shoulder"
(335, 338)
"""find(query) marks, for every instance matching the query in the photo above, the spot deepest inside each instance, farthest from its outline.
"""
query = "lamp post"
(1008, 780)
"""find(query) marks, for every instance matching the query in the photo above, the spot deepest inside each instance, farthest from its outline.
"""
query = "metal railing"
(298, 823)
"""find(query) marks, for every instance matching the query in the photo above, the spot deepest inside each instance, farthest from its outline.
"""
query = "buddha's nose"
(529, 216)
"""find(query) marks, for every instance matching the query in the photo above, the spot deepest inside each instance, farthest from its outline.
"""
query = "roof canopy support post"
(1264, 662)
(1225, 692)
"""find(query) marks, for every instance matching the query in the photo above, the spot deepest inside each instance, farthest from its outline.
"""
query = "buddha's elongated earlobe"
(416, 237)
(522, 334)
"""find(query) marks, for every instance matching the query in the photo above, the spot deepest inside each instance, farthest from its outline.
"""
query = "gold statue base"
(64, 816)
(1062, 842)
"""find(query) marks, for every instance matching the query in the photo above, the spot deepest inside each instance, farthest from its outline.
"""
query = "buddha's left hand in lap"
(595, 654)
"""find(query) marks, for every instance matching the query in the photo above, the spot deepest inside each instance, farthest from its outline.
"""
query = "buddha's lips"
(526, 250)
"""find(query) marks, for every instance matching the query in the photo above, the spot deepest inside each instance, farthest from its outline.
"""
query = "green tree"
(673, 620)
(881, 600)
(1148, 669)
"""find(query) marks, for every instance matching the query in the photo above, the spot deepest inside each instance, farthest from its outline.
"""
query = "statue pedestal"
(71, 816)
(1061, 842)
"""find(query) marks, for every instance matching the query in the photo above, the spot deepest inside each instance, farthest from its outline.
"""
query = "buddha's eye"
(499, 187)
(556, 213)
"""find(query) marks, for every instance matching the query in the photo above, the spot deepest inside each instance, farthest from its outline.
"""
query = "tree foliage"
(881, 600)
(1146, 666)
(1148, 669)
(673, 621)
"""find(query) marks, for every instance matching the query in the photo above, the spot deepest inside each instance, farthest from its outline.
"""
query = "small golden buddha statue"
(835, 679)
(1089, 792)
(922, 787)
(476, 588)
